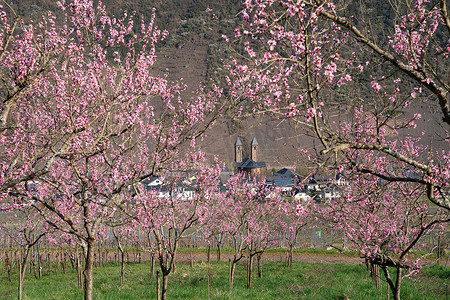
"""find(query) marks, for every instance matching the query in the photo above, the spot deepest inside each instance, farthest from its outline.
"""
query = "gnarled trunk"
(395, 287)
(375, 273)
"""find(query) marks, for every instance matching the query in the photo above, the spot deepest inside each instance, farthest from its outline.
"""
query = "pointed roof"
(254, 142)
(238, 142)
(285, 173)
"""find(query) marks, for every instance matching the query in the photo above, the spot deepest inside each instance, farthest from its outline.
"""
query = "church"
(249, 166)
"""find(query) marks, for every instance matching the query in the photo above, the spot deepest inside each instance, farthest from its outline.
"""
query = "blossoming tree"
(384, 222)
(86, 119)
(247, 214)
(25, 228)
(166, 217)
(353, 75)
(293, 218)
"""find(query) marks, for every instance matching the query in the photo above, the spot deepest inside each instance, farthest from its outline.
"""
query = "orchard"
(86, 119)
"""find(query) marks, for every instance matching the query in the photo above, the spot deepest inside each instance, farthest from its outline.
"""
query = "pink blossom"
(376, 86)
(245, 16)
(299, 210)
(311, 113)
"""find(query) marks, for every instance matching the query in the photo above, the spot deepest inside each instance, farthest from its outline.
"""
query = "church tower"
(238, 150)
(254, 152)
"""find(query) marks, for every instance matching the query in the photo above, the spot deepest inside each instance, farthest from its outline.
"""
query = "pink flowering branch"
(309, 53)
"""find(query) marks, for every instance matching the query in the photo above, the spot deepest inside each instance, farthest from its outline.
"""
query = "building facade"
(249, 166)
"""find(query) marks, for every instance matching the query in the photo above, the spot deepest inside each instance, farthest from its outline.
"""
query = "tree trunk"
(105, 260)
(122, 257)
(63, 262)
(231, 277)
(291, 254)
(21, 277)
(56, 263)
(72, 259)
(23, 268)
(208, 256)
(99, 254)
(122, 269)
(158, 286)
(79, 271)
(88, 268)
(39, 260)
(259, 260)
(8, 266)
(219, 251)
(249, 270)
(398, 283)
(152, 266)
(165, 276)
(209, 282)
(375, 272)
(395, 287)
(34, 266)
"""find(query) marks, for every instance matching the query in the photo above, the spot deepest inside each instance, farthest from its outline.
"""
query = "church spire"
(238, 150)
(254, 149)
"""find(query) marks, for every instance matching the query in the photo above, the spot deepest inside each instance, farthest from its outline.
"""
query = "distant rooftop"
(282, 181)
(284, 173)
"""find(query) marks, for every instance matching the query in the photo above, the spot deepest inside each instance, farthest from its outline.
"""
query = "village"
(304, 188)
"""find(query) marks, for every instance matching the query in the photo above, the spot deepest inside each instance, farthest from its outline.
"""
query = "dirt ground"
(185, 257)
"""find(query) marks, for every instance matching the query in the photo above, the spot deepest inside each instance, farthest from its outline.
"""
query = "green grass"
(301, 281)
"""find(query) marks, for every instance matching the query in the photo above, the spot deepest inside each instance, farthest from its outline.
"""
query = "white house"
(302, 196)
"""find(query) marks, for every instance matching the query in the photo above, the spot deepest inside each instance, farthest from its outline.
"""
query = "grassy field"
(301, 281)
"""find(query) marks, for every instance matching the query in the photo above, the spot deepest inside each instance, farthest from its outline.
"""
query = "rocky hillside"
(193, 52)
